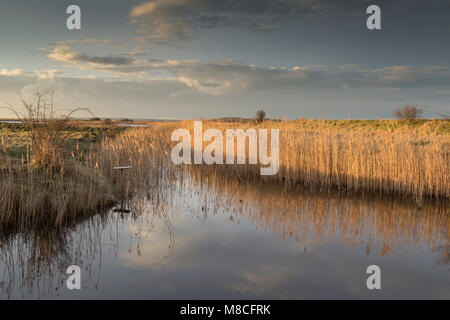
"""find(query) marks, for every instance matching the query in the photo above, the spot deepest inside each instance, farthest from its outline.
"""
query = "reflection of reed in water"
(376, 224)
(34, 264)
(31, 261)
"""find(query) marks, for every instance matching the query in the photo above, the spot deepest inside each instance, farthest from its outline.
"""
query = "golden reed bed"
(369, 158)
(407, 161)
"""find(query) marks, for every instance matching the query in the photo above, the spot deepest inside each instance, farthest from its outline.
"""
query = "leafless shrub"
(408, 112)
(49, 130)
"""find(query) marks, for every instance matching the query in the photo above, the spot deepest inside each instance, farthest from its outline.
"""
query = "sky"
(185, 59)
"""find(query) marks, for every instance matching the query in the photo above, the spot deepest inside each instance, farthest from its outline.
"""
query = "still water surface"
(225, 239)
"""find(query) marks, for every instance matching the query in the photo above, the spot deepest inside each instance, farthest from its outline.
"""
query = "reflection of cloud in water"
(236, 240)
(259, 242)
(378, 225)
(264, 279)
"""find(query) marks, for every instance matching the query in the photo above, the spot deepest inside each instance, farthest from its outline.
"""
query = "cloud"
(167, 19)
(224, 88)
(107, 97)
(10, 73)
(227, 76)
(161, 21)
(98, 42)
(63, 52)
(47, 74)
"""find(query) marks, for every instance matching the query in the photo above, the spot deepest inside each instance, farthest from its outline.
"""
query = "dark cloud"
(117, 61)
(161, 20)
(176, 18)
(63, 52)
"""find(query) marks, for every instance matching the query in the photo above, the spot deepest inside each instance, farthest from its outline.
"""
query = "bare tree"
(49, 131)
(260, 116)
(408, 112)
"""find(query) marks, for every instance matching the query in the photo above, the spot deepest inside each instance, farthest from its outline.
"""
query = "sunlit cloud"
(14, 72)
(63, 52)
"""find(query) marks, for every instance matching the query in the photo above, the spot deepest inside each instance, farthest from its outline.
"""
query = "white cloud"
(9, 73)
(63, 52)
(47, 74)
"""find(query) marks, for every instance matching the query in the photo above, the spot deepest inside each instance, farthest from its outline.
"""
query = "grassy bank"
(49, 196)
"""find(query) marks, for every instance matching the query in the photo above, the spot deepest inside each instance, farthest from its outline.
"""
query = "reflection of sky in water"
(221, 253)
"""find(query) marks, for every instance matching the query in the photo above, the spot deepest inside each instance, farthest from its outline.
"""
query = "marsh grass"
(403, 158)
(84, 184)
(33, 197)
(408, 160)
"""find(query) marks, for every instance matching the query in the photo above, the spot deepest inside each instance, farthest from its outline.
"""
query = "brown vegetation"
(406, 161)
(398, 160)
(48, 130)
(408, 112)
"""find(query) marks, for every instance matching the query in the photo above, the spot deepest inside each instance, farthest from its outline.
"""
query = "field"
(381, 157)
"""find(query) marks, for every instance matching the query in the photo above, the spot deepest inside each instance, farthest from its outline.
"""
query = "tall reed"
(394, 162)
(403, 162)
